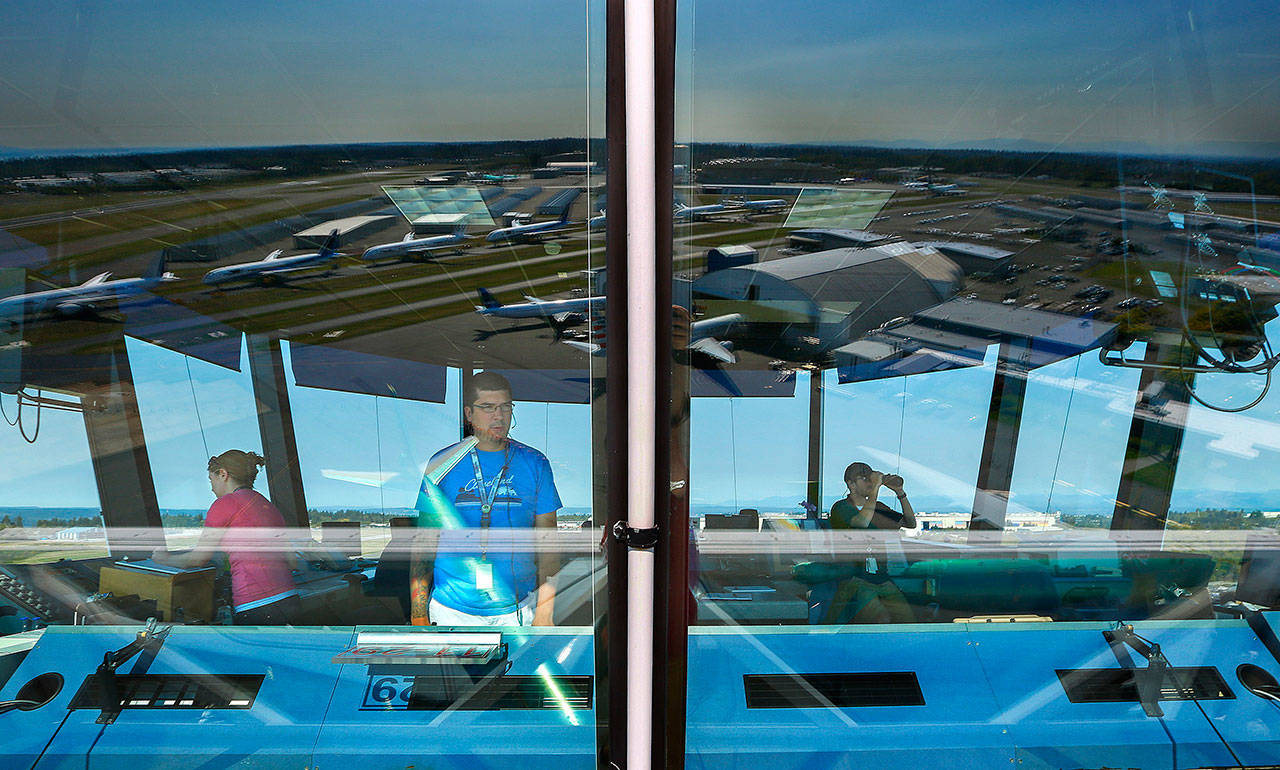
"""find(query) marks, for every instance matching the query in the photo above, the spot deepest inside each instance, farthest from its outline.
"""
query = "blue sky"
(199, 74)
(1168, 76)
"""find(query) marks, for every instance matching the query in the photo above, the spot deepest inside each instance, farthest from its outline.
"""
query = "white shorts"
(447, 616)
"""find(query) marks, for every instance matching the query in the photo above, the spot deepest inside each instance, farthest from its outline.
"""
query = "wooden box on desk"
(190, 589)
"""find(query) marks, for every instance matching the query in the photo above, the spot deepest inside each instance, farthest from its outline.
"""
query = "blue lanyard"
(487, 495)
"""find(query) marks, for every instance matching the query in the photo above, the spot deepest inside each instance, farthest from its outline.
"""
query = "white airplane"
(563, 312)
(531, 231)
(702, 337)
(763, 206)
(89, 297)
(274, 266)
(699, 213)
(415, 247)
(560, 311)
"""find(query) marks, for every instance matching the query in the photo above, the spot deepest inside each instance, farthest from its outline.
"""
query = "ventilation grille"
(439, 692)
(1116, 685)
(798, 691)
(172, 691)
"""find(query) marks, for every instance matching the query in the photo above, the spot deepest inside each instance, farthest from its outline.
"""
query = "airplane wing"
(273, 256)
(283, 270)
(92, 304)
(590, 347)
(714, 348)
(98, 279)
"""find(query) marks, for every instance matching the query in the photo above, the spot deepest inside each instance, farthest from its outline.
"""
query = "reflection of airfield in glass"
(820, 207)
(421, 204)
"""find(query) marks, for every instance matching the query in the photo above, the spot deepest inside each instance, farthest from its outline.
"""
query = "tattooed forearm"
(419, 589)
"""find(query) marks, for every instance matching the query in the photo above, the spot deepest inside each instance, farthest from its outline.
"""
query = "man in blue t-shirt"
(479, 576)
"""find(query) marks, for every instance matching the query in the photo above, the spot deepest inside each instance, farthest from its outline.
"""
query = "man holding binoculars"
(871, 597)
(861, 510)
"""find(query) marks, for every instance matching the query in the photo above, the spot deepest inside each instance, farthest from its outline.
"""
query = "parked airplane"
(415, 247)
(88, 298)
(702, 336)
(699, 213)
(529, 232)
(562, 312)
(762, 206)
(274, 266)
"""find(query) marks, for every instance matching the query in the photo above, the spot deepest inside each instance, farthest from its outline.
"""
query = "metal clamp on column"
(635, 538)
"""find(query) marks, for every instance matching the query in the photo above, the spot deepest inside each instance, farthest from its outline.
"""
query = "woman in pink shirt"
(251, 531)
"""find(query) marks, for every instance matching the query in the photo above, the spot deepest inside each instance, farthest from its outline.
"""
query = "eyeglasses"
(506, 408)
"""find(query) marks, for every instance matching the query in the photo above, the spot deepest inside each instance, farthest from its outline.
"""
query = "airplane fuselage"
(772, 204)
(413, 246)
(696, 213)
(524, 232)
(76, 299)
(543, 308)
(253, 271)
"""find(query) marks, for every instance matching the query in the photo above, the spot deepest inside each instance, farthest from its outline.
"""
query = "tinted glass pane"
(1006, 281)
(295, 351)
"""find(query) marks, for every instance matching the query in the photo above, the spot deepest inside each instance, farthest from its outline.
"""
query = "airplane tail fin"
(330, 244)
(156, 270)
(486, 299)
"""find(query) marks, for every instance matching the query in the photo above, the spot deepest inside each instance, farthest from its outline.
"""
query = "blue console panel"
(1050, 731)
(956, 727)
(989, 695)
(372, 721)
(277, 731)
(865, 697)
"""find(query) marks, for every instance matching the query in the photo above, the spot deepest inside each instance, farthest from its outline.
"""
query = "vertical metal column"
(671, 596)
(814, 488)
(1000, 446)
(612, 634)
(1155, 439)
(121, 466)
(275, 424)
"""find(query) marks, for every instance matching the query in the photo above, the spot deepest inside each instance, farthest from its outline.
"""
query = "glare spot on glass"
(564, 654)
(557, 694)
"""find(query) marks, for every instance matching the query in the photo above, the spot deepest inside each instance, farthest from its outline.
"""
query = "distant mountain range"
(1066, 502)
(1209, 149)
(9, 153)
